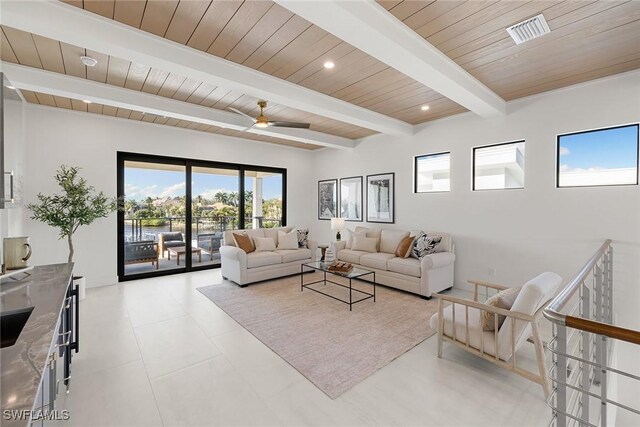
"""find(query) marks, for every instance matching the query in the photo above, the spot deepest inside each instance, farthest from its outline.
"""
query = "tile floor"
(156, 352)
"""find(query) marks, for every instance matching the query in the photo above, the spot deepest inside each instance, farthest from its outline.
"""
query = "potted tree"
(76, 205)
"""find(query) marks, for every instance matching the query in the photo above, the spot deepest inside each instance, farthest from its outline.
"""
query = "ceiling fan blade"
(290, 125)
(242, 114)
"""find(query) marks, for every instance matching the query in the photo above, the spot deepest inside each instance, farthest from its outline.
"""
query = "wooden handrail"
(603, 329)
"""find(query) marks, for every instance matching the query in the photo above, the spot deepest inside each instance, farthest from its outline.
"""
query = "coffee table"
(181, 250)
(353, 274)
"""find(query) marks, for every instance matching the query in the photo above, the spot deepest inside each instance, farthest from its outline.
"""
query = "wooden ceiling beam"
(368, 26)
(75, 88)
(59, 21)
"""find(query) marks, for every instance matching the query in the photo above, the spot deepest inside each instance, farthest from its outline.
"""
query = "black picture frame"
(327, 199)
(358, 201)
(388, 202)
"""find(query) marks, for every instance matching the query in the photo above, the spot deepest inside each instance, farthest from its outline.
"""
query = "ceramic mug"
(17, 252)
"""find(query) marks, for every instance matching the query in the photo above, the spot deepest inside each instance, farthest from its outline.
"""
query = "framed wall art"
(381, 198)
(328, 199)
(351, 198)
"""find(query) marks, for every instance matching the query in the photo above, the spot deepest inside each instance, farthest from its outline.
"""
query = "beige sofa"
(433, 273)
(244, 268)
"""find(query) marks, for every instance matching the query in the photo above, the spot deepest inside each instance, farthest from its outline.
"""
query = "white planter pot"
(81, 283)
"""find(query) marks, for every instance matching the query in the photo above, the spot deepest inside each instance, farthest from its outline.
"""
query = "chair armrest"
(437, 260)
(485, 307)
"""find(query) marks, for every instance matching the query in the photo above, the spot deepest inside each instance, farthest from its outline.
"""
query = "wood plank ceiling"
(588, 40)
(267, 37)
(79, 105)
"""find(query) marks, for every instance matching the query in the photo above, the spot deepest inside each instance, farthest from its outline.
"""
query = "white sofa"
(244, 268)
(433, 273)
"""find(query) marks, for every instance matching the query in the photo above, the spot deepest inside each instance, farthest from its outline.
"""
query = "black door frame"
(241, 168)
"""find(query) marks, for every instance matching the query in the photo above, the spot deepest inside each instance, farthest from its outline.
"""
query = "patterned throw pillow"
(303, 238)
(424, 245)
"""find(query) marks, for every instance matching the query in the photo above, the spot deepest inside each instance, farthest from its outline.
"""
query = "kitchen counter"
(23, 364)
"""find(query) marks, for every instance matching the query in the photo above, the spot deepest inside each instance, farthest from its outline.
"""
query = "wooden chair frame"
(511, 316)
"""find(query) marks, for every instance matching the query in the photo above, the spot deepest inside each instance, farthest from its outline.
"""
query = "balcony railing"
(137, 229)
(584, 336)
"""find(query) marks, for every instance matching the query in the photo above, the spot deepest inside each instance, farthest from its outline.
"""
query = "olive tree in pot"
(76, 205)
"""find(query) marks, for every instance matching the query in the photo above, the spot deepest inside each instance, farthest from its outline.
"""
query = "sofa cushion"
(350, 255)
(408, 266)
(376, 260)
(405, 247)
(368, 232)
(264, 244)
(367, 244)
(289, 255)
(251, 232)
(244, 242)
(259, 259)
(390, 239)
(425, 245)
(288, 240)
(303, 237)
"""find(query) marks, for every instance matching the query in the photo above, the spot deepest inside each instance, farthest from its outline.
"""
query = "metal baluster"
(610, 287)
(561, 373)
(585, 349)
(598, 316)
(603, 381)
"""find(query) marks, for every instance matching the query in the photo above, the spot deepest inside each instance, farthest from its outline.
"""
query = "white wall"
(57, 136)
(518, 232)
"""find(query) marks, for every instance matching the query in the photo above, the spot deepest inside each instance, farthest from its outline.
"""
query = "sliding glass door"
(162, 195)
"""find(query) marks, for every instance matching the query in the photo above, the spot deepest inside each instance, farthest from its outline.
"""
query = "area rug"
(331, 346)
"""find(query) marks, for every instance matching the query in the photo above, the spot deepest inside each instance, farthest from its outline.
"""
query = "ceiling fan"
(263, 121)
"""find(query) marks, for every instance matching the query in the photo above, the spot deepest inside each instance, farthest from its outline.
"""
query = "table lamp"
(338, 225)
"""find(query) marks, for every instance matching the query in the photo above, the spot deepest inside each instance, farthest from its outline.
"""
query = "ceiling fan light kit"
(262, 121)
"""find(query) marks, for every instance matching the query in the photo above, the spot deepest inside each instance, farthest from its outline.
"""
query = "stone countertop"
(23, 364)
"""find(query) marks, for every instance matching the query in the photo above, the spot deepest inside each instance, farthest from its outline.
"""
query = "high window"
(432, 173)
(499, 166)
(598, 157)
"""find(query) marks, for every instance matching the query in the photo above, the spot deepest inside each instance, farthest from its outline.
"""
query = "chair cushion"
(376, 260)
(503, 299)
(168, 237)
(173, 243)
(259, 259)
(390, 239)
(289, 255)
(408, 266)
(350, 255)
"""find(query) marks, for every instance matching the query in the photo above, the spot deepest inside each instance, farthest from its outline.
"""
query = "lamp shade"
(337, 224)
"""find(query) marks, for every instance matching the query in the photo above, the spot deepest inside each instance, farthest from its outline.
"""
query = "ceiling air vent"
(528, 30)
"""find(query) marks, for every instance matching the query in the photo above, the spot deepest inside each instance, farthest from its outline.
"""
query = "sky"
(143, 183)
(605, 149)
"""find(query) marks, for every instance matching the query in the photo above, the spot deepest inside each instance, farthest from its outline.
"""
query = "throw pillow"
(367, 244)
(405, 247)
(303, 238)
(288, 240)
(362, 232)
(244, 242)
(425, 245)
(503, 299)
(264, 244)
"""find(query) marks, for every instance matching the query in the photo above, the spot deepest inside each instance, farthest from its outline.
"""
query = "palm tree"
(221, 197)
(233, 199)
(149, 202)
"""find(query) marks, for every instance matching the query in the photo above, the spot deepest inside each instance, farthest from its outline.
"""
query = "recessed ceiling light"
(88, 61)
(329, 65)
(86, 101)
(424, 108)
